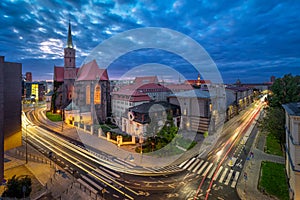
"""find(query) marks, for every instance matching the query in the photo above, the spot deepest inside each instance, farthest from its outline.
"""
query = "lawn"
(55, 117)
(273, 180)
(273, 146)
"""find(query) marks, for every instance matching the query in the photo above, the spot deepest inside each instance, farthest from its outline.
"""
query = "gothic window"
(97, 96)
(70, 59)
(87, 95)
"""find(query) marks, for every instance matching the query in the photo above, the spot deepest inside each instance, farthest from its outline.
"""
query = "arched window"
(87, 95)
(97, 96)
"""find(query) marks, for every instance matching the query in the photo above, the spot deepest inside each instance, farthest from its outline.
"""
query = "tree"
(18, 187)
(285, 90)
(273, 123)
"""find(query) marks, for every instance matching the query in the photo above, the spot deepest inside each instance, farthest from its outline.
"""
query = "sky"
(249, 40)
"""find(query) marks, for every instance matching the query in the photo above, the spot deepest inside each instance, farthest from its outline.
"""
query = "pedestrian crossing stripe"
(218, 173)
(188, 164)
(193, 165)
(223, 175)
(212, 172)
(202, 168)
(208, 169)
(233, 184)
(228, 177)
(198, 166)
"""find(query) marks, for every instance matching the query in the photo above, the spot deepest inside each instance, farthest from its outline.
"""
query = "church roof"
(58, 74)
(91, 71)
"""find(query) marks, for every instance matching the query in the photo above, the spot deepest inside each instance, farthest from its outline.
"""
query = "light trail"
(233, 139)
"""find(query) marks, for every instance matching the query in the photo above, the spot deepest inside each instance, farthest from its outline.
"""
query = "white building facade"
(292, 127)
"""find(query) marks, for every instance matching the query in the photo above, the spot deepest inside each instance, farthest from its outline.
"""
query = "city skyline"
(249, 40)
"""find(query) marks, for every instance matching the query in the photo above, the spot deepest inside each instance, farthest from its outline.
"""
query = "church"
(81, 91)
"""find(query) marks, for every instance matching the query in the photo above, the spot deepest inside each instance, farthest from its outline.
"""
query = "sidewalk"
(248, 190)
(47, 184)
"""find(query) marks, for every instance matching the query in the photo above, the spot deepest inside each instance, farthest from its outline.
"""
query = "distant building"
(199, 83)
(138, 118)
(35, 91)
(124, 99)
(272, 79)
(237, 99)
(292, 148)
(64, 77)
(28, 77)
(196, 109)
(10, 107)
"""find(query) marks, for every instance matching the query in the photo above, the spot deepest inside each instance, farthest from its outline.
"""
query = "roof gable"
(91, 71)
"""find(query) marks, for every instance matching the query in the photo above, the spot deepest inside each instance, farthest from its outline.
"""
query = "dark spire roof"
(70, 43)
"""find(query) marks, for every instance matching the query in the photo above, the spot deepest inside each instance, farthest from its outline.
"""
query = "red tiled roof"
(132, 95)
(179, 87)
(145, 80)
(58, 74)
(91, 71)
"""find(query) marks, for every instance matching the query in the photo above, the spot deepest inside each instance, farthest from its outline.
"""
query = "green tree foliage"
(18, 187)
(285, 90)
(273, 123)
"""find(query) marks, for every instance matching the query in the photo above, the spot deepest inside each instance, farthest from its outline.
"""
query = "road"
(193, 177)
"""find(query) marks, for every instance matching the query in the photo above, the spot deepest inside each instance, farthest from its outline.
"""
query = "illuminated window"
(97, 96)
(87, 95)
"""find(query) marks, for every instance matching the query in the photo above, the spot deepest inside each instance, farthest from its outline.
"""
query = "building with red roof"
(91, 94)
(64, 77)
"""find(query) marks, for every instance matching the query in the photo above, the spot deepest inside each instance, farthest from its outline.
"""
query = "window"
(87, 95)
(97, 96)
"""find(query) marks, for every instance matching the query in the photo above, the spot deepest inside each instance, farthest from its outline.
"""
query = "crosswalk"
(224, 175)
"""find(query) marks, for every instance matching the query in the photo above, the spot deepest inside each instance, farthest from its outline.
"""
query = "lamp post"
(62, 120)
(26, 144)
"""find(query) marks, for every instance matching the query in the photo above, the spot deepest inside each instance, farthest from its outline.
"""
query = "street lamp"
(26, 143)
(62, 118)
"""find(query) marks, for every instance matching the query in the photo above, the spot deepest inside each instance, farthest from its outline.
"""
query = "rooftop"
(292, 108)
(192, 94)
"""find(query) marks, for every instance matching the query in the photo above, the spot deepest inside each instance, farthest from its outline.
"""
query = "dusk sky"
(250, 40)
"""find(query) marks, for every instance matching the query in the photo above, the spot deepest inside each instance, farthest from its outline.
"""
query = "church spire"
(70, 43)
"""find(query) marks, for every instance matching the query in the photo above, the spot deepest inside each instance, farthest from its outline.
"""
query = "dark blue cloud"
(249, 40)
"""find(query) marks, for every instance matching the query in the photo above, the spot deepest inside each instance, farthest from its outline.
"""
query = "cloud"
(254, 39)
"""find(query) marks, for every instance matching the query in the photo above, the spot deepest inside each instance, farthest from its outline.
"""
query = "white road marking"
(202, 168)
(235, 179)
(229, 177)
(207, 169)
(193, 165)
(219, 171)
(223, 175)
(212, 172)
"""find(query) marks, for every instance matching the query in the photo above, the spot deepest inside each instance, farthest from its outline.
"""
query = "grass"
(273, 180)
(273, 145)
(55, 117)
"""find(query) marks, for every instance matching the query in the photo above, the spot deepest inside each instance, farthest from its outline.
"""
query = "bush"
(18, 187)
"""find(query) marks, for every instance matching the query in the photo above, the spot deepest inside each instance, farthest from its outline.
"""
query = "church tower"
(70, 70)
(69, 51)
